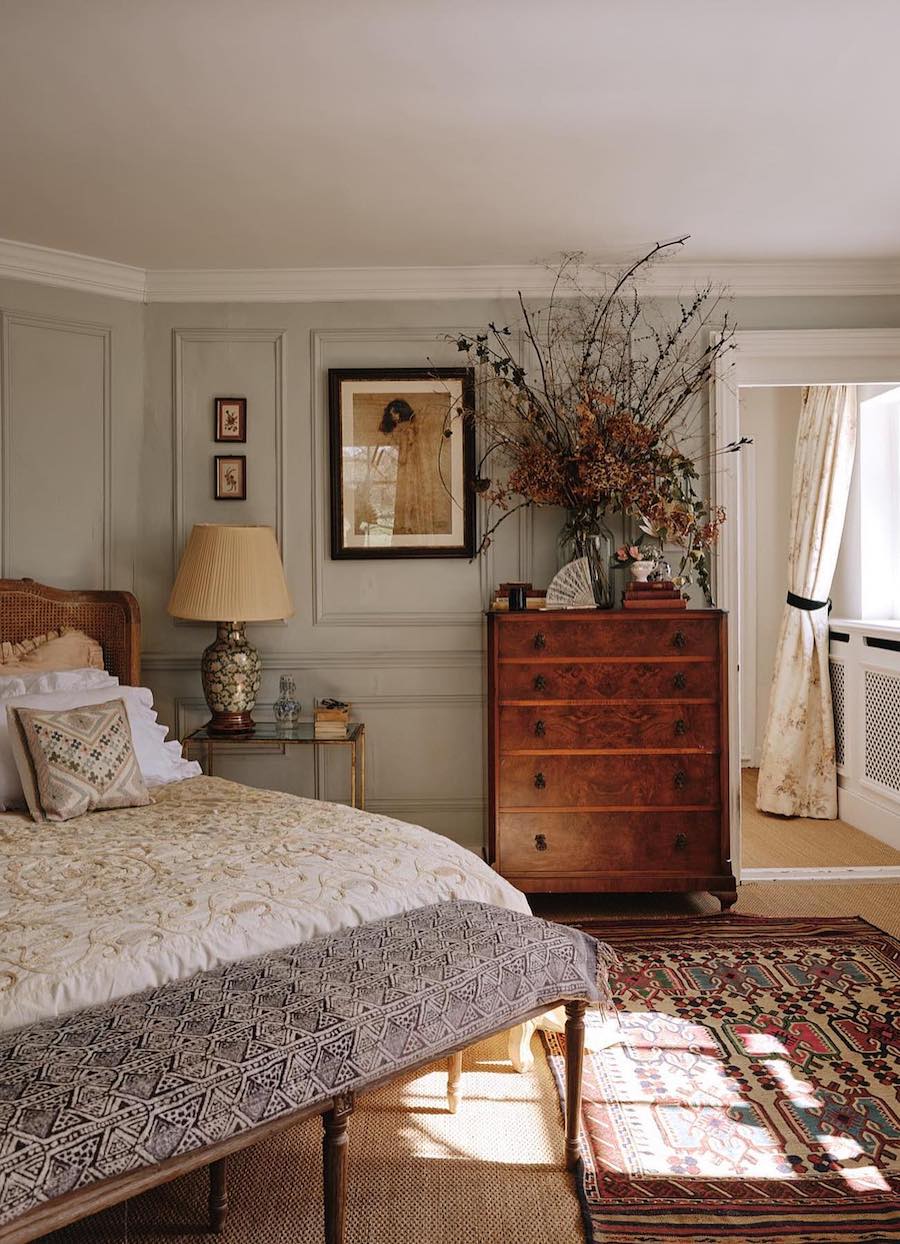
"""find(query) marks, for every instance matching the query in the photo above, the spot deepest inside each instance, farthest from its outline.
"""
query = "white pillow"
(12, 684)
(41, 682)
(160, 762)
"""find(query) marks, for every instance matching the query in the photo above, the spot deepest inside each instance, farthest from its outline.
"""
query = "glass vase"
(587, 535)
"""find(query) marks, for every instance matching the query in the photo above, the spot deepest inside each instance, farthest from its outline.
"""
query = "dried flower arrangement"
(598, 423)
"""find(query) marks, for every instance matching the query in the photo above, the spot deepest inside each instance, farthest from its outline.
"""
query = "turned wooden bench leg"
(454, 1075)
(574, 1073)
(218, 1195)
(334, 1165)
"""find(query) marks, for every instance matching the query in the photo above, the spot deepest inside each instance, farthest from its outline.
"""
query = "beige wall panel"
(215, 364)
(56, 425)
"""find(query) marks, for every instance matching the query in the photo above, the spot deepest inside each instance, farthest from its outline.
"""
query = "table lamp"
(230, 575)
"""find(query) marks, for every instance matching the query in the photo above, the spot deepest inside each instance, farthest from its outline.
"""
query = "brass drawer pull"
(680, 779)
(540, 842)
(540, 729)
(681, 842)
(681, 726)
(679, 639)
(540, 781)
(540, 683)
(679, 682)
(540, 640)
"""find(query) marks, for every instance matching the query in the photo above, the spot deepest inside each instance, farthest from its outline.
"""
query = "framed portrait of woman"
(402, 462)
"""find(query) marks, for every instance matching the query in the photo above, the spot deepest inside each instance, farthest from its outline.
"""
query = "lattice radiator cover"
(839, 703)
(882, 718)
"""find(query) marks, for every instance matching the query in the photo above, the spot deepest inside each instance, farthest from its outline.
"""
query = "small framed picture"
(231, 477)
(402, 462)
(231, 419)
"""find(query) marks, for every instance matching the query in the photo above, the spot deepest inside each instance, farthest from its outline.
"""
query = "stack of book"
(535, 597)
(659, 595)
(330, 719)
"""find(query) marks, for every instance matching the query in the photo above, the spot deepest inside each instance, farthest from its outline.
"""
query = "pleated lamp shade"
(230, 574)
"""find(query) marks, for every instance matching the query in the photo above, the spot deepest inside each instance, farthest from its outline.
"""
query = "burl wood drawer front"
(687, 634)
(554, 843)
(635, 726)
(691, 779)
(612, 680)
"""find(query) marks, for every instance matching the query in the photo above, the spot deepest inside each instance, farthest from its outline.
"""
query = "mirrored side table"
(202, 746)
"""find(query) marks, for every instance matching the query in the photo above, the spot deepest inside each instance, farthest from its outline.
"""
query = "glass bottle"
(286, 708)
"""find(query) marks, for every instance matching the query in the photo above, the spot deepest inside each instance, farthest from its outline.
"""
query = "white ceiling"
(300, 133)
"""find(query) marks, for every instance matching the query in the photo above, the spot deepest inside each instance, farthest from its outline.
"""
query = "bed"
(110, 903)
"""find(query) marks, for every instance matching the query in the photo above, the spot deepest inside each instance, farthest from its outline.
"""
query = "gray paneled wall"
(56, 442)
(107, 441)
(401, 640)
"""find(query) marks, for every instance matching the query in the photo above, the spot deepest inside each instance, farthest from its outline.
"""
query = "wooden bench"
(98, 1106)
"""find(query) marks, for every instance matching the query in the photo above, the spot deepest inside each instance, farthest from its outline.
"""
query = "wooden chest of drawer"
(608, 761)
(634, 725)
(624, 783)
(666, 678)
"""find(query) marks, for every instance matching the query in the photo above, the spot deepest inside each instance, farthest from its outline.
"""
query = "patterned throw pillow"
(76, 760)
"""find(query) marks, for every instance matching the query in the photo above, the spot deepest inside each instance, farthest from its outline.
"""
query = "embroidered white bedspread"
(110, 903)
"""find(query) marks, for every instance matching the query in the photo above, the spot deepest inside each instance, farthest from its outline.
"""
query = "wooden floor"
(802, 842)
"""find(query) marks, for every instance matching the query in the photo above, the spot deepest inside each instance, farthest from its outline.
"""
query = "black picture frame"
(452, 380)
(222, 437)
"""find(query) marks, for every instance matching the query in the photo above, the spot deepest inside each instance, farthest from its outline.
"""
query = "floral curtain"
(797, 775)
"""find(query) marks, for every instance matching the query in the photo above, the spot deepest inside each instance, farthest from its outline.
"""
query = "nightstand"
(203, 746)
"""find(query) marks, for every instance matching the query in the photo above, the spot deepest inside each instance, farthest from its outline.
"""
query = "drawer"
(608, 680)
(692, 633)
(634, 726)
(609, 781)
(556, 843)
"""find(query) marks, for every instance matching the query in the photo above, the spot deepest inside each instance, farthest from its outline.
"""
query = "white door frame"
(763, 358)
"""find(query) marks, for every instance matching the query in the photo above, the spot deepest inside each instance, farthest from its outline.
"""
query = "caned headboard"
(112, 618)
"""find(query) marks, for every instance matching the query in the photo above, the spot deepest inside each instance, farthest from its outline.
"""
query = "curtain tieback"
(803, 602)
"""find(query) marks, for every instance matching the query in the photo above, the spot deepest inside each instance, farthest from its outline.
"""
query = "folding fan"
(572, 588)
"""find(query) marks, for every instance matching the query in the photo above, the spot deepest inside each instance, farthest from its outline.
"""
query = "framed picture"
(402, 462)
(231, 477)
(231, 419)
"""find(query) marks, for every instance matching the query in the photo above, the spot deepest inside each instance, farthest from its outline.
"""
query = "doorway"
(769, 417)
(758, 394)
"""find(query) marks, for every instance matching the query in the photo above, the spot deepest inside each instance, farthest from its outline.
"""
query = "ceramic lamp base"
(230, 670)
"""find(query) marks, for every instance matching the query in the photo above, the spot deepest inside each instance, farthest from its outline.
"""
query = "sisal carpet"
(749, 1090)
(494, 1172)
(801, 842)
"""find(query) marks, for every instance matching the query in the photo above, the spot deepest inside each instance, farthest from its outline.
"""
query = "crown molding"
(837, 278)
(20, 261)
(668, 278)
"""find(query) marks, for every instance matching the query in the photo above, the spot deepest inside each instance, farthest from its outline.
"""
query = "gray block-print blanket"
(128, 1084)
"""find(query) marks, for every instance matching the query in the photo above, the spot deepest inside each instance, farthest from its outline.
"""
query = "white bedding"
(113, 902)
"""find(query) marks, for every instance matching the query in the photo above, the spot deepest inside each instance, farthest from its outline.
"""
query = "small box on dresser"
(608, 751)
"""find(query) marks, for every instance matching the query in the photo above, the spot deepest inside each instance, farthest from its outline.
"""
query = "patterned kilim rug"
(749, 1088)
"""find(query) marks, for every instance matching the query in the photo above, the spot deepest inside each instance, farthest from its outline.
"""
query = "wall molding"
(190, 336)
(80, 328)
(460, 659)
(24, 261)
